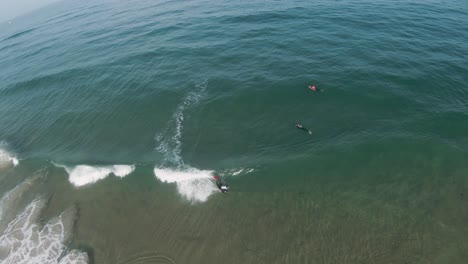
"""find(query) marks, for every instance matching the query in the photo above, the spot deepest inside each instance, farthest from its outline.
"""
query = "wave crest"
(193, 184)
(7, 159)
(85, 174)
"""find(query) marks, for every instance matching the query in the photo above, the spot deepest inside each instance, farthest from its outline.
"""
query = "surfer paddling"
(224, 188)
(301, 127)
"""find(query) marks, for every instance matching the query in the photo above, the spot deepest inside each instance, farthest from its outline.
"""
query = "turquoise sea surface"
(115, 115)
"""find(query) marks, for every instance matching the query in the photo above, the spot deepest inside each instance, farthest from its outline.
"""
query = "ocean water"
(115, 115)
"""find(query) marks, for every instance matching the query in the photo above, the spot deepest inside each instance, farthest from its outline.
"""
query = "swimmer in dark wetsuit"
(301, 127)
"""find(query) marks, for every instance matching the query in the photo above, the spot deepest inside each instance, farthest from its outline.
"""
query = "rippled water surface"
(115, 115)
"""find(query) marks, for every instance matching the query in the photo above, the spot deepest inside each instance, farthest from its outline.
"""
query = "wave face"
(24, 240)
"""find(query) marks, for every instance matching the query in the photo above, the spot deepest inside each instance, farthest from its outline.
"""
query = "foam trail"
(84, 174)
(23, 240)
(75, 257)
(235, 172)
(193, 184)
(169, 142)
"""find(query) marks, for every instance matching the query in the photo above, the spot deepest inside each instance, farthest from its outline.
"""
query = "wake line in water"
(192, 184)
(169, 141)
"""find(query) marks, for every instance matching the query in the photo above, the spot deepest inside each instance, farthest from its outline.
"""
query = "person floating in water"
(301, 127)
(224, 188)
(314, 88)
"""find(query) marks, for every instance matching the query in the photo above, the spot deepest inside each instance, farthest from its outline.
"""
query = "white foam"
(24, 241)
(84, 174)
(7, 159)
(193, 184)
(236, 172)
(75, 257)
(12, 200)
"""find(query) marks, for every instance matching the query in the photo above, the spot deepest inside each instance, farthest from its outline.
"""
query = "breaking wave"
(193, 184)
(7, 159)
(85, 174)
